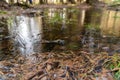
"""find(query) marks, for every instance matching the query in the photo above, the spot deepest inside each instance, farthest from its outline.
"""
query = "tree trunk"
(71, 1)
(18, 1)
(91, 1)
(41, 1)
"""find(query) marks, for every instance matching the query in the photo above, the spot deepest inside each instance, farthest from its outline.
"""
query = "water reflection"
(5, 42)
(26, 31)
(89, 24)
(66, 26)
(110, 24)
(91, 30)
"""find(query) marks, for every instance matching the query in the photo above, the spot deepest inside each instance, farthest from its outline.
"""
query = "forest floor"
(71, 65)
(78, 65)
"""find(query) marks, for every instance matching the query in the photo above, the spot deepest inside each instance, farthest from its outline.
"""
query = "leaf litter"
(78, 65)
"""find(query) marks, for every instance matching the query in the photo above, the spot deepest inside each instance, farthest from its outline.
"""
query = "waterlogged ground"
(60, 44)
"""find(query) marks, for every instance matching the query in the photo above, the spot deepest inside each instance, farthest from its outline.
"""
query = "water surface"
(93, 30)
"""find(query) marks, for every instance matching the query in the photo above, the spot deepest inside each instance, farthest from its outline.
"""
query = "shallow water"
(63, 29)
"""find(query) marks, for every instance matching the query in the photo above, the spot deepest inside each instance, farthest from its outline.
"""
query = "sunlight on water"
(26, 31)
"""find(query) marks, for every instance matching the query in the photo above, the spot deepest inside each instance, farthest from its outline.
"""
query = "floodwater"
(92, 30)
